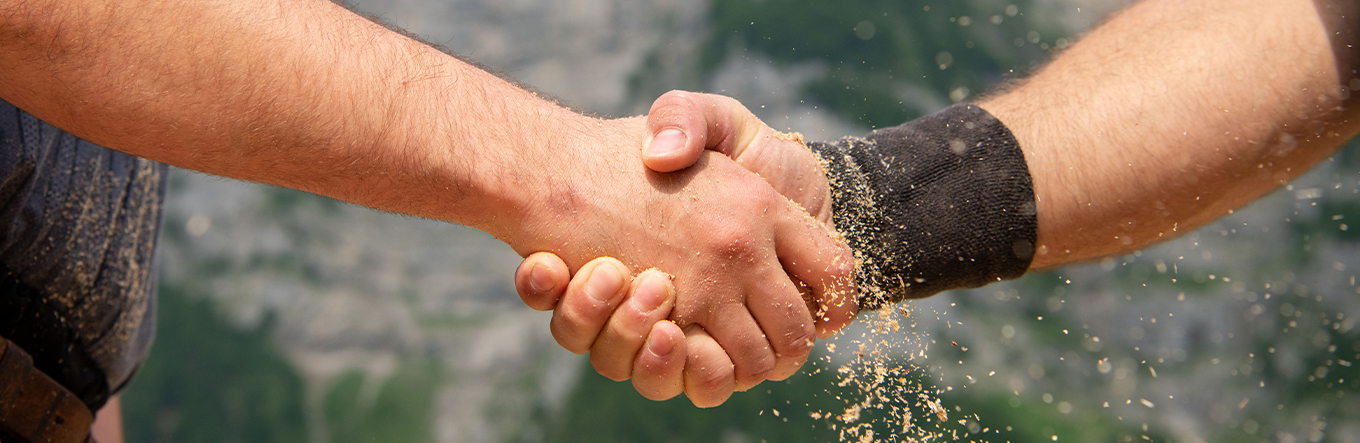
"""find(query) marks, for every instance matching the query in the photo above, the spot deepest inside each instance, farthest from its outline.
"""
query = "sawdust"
(791, 136)
(886, 394)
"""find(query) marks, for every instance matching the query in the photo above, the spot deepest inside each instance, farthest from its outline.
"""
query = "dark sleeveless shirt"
(78, 225)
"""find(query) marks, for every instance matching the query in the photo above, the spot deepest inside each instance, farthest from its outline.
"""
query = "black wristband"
(941, 202)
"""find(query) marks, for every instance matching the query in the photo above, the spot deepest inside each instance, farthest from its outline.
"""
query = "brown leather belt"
(33, 407)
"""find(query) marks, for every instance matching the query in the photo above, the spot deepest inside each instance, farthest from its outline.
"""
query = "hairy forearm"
(1171, 114)
(297, 93)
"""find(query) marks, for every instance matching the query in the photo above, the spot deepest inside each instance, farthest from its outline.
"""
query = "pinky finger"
(658, 372)
(710, 377)
(541, 280)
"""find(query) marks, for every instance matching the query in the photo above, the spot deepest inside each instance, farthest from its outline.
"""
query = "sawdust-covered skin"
(820, 308)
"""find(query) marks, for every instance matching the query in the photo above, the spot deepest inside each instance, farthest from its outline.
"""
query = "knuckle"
(712, 378)
(645, 371)
(732, 240)
(582, 309)
(672, 106)
(572, 332)
(632, 324)
(765, 198)
(759, 368)
(575, 318)
(797, 343)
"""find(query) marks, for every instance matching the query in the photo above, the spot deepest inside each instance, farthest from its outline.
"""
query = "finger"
(708, 372)
(591, 297)
(744, 341)
(786, 325)
(617, 346)
(791, 350)
(541, 279)
(659, 372)
(770, 332)
(683, 124)
(811, 255)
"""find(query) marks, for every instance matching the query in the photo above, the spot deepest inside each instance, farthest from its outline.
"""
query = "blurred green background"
(289, 317)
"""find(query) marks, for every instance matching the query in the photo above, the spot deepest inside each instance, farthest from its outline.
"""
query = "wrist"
(560, 193)
(483, 150)
(942, 202)
(531, 182)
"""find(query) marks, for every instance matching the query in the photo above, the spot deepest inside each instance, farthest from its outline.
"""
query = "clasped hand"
(749, 274)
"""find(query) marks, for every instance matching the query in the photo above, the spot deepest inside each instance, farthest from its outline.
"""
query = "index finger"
(811, 253)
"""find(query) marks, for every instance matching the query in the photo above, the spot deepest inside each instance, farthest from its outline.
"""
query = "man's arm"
(305, 94)
(296, 93)
(1174, 112)
(1155, 123)
(1160, 120)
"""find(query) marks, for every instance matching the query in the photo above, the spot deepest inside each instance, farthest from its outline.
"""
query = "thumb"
(683, 124)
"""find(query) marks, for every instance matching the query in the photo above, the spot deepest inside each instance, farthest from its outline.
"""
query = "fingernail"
(540, 279)
(659, 346)
(652, 293)
(666, 142)
(605, 283)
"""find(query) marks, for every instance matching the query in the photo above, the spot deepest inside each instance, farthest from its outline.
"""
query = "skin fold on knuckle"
(796, 344)
(710, 381)
(757, 369)
(736, 240)
(612, 354)
(575, 331)
(789, 361)
(792, 337)
(673, 109)
(634, 322)
(708, 371)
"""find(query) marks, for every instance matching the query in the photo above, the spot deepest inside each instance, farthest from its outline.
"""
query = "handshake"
(712, 264)
(729, 273)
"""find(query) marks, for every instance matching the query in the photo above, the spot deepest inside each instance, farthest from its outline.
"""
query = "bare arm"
(297, 93)
(1157, 122)
(307, 95)
(1174, 112)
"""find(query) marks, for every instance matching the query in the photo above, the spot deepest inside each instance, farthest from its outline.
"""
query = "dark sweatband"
(941, 202)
